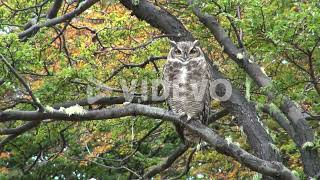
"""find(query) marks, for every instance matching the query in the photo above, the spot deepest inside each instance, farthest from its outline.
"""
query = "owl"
(186, 76)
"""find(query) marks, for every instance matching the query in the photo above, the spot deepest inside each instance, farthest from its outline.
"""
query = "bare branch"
(238, 106)
(52, 13)
(143, 45)
(51, 22)
(23, 82)
(218, 115)
(274, 169)
(187, 167)
(303, 133)
(138, 144)
(109, 167)
(166, 163)
(20, 129)
(24, 9)
(128, 66)
(107, 100)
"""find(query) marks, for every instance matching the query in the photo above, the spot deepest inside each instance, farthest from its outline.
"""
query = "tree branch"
(220, 114)
(276, 114)
(187, 167)
(51, 22)
(166, 163)
(20, 129)
(130, 65)
(258, 138)
(274, 169)
(107, 100)
(23, 82)
(52, 13)
(303, 133)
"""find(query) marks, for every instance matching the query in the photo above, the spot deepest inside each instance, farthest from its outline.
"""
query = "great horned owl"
(186, 78)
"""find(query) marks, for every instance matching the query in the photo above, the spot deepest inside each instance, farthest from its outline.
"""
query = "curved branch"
(108, 100)
(51, 22)
(166, 163)
(238, 106)
(187, 167)
(220, 114)
(303, 132)
(52, 13)
(23, 82)
(274, 169)
(130, 65)
(19, 130)
(159, 18)
(15, 132)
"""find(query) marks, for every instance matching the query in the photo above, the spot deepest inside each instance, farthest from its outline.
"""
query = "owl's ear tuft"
(173, 43)
(196, 43)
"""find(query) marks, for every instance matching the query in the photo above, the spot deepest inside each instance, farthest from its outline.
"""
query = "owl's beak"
(185, 56)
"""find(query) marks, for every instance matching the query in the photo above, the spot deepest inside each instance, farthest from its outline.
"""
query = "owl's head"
(185, 50)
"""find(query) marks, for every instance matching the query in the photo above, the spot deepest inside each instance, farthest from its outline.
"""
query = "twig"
(214, 117)
(166, 163)
(23, 82)
(130, 65)
(187, 167)
(141, 140)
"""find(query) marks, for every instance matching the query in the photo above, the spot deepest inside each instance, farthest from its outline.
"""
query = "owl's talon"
(201, 146)
(182, 115)
(189, 118)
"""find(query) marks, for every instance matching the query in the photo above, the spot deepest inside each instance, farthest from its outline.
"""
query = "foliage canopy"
(108, 41)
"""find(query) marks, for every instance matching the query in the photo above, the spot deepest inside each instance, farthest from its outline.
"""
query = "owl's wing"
(166, 84)
(207, 96)
(209, 73)
(165, 72)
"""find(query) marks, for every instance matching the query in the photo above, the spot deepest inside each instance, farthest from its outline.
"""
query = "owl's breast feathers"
(188, 86)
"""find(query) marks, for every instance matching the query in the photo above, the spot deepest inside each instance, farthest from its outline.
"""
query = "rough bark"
(303, 132)
(269, 168)
(237, 105)
(51, 22)
(52, 13)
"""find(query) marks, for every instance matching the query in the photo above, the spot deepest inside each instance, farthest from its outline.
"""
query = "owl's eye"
(193, 51)
(177, 51)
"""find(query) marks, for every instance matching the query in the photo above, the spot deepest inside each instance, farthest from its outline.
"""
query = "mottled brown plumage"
(186, 75)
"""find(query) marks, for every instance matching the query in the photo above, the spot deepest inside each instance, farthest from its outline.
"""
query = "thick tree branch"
(159, 18)
(276, 114)
(52, 13)
(20, 129)
(303, 132)
(224, 40)
(15, 132)
(51, 22)
(258, 138)
(96, 100)
(107, 100)
(274, 169)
